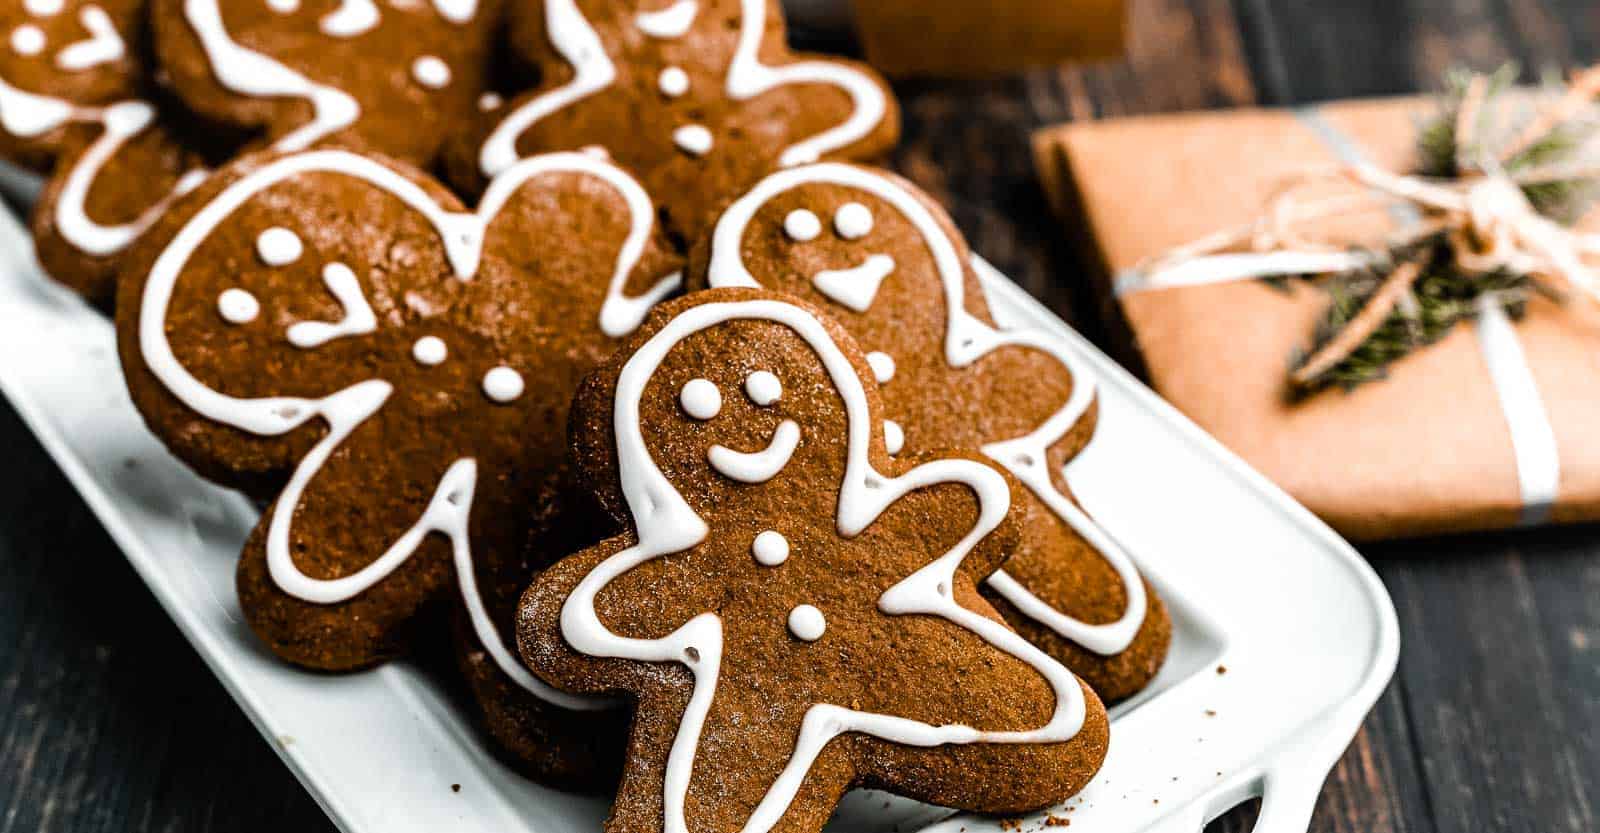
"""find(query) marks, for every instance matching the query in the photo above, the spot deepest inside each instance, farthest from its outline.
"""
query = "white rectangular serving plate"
(1283, 637)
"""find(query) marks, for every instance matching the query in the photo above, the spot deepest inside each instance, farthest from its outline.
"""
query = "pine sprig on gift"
(1441, 297)
(1443, 294)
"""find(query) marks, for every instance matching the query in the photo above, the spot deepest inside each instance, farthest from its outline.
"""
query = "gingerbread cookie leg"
(890, 265)
(795, 611)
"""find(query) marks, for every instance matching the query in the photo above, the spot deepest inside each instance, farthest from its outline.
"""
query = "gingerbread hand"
(795, 612)
(886, 260)
(696, 97)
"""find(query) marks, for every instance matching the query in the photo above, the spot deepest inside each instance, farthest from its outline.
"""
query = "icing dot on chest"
(278, 246)
(237, 306)
(700, 399)
(693, 139)
(763, 388)
(502, 384)
(489, 101)
(27, 39)
(770, 548)
(673, 82)
(430, 72)
(852, 221)
(430, 351)
(284, 6)
(807, 623)
(802, 225)
(894, 437)
(43, 8)
(882, 365)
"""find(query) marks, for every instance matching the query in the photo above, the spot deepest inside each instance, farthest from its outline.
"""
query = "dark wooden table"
(110, 722)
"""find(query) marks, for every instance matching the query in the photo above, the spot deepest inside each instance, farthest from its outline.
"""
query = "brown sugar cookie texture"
(888, 263)
(794, 610)
(74, 104)
(696, 97)
(337, 333)
(388, 77)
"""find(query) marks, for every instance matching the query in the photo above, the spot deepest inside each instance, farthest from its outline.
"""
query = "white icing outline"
(966, 340)
(758, 466)
(665, 524)
(462, 235)
(578, 43)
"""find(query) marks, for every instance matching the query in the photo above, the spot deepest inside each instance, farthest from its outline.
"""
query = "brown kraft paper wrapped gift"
(1427, 450)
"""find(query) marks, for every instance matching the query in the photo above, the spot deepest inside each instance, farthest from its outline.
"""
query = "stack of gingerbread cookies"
(698, 437)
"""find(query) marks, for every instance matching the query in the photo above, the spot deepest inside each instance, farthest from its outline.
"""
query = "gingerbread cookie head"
(795, 612)
(391, 78)
(336, 332)
(59, 62)
(697, 97)
(886, 260)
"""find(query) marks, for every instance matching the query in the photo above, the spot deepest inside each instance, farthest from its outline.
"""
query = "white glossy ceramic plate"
(1255, 584)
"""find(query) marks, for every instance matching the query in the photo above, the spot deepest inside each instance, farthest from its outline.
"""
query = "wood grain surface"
(110, 722)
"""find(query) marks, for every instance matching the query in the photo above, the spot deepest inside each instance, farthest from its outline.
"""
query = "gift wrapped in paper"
(1494, 424)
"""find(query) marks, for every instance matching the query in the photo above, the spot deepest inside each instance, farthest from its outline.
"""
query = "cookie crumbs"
(1211, 712)
(1222, 669)
(1054, 820)
(455, 788)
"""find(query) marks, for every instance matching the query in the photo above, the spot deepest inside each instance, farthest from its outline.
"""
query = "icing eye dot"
(882, 365)
(430, 72)
(763, 388)
(673, 82)
(42, 8)
(700, 399)
(237, 306)
(802, 225)
(894, 438)
(27, 39)
(770, 549)
(806, 622)
(502, 384)
(693, 139)
(852, 221)
(284, 6)
(278, 246)
(431, 350)
(489, 101)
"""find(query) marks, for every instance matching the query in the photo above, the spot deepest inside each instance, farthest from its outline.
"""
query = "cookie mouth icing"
(856, 286)
(758, 466)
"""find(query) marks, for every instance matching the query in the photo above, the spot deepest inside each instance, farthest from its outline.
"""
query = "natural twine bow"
(1477, 220)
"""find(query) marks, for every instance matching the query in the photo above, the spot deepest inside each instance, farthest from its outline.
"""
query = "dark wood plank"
(109, 721)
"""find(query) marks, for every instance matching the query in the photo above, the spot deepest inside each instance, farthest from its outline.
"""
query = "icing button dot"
(430, 72)
(430, 350)
(673, 82)
(284, 6)
(693, 139)
(770, 549)
(279, 246)
(763, 388)
(700, 399)
(43, 8)
(489, 101)
(852, 221)
(807, 623)
(894, 438)
(882, 365)
(238, 306)
(802, 225)
(27, 40)
(502, 384)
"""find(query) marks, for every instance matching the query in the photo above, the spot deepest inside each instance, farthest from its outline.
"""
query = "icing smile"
(857, 286)
(758, 466)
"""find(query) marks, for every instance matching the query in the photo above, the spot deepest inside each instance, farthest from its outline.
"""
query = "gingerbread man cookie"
(73, 102)
(696, 97)
(795, 612)
(887, 261)
(394, 78)
(338, 333)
